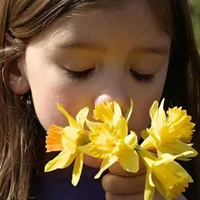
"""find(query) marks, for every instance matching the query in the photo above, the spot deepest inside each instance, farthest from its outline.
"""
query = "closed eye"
(79, 75)
(143, 78)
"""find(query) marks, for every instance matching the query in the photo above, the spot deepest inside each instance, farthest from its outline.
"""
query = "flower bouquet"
(107, 137)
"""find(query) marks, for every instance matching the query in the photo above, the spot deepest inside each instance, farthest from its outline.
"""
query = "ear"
(17, 78)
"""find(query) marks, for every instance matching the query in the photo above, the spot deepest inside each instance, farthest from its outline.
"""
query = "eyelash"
(82, 75)
(143, 78)
(79, 75)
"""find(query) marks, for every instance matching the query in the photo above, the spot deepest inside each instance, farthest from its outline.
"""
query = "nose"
(114, 94)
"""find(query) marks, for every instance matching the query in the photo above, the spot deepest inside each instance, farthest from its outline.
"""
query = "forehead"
(129, 21)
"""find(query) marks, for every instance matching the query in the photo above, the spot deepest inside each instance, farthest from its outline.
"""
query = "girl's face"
(96, 56)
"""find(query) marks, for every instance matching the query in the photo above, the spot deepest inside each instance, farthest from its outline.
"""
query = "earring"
(27, 99)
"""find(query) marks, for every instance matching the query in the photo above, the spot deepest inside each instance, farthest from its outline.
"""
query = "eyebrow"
(81, 45)
(156, 49)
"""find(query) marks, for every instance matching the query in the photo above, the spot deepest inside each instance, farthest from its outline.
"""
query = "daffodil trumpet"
(107, 137)
(163, 174)
(67, 140)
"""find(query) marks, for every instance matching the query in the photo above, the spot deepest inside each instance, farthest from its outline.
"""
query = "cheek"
(47, 111)
(46, 97)
(45, 102)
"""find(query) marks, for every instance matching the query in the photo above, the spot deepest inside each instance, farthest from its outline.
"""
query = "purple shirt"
(56, 185)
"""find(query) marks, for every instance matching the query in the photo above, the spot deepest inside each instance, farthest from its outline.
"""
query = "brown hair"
(20, 142)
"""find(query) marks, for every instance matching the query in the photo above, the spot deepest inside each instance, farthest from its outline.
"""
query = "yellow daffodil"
(110, 141)
(165, 175)
(168, 134)
(110, 112)
(67, 140)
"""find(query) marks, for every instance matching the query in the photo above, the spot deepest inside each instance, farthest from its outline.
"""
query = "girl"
(82, 53)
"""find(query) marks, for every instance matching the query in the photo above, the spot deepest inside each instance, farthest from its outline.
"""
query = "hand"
(122, 185)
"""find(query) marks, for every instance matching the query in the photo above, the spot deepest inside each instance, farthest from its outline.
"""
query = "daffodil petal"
(153, 140)
(129, 111)
(94, 150)
(71, 120)
(153, 112)
(178, 148)
(70, 137)
(149, 186)
(78, 165)
(117, 113)
(148, 143)
(82, 115)
(144, 134)
(158, 116)
(161, 113)
(86, 149)
(156, 134)
(121, 125)
(131, 140)
(92, 125)
(62, 160)
(129, 160)
(105, 165)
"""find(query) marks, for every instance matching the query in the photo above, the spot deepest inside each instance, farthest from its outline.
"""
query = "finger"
(92, 162)
(158, 196)
(181, 197)
(123, 185)
(139, 196)
(116, 169)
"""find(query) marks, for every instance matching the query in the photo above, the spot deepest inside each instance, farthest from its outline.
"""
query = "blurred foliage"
(195, 9)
